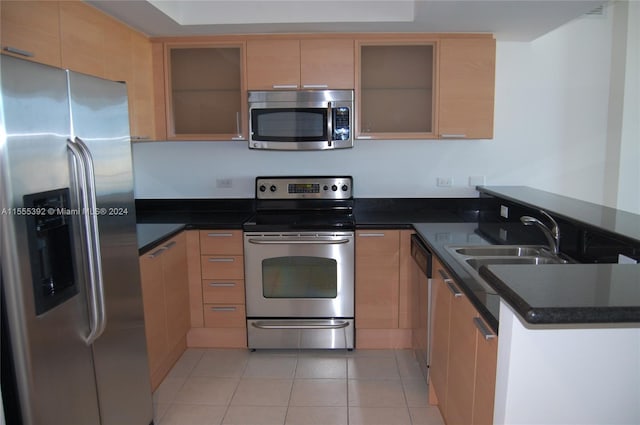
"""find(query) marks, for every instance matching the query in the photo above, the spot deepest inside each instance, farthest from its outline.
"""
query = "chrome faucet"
(552, 235)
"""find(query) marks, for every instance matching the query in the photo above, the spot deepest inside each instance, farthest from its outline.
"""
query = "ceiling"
(513, 20)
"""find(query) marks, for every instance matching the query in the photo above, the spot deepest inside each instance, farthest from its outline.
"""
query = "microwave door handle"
(329, 123)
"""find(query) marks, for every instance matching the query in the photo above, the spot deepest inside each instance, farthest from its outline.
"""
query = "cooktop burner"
(303, 203)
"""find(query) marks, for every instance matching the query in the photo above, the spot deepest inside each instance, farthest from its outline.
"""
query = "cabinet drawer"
(222, 267)
(224, 316)
(223, 291)
(225, 242)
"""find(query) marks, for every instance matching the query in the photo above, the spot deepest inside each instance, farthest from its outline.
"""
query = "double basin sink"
(474, 257)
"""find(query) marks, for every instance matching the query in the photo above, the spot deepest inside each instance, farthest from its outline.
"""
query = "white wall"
(551, 117)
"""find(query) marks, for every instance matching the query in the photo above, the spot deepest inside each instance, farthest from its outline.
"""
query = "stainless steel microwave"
(301, 119)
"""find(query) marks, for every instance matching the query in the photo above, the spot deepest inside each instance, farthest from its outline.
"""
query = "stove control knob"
(325, 187)
(344, 187)
(334, 188)
(262, 188)
(273, 188)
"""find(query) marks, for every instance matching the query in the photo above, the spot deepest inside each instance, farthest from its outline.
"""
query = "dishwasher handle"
(421, 255)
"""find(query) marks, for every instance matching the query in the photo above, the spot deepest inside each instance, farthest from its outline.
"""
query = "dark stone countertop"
(569, 293)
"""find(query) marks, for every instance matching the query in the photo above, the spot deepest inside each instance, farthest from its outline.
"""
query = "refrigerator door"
(42, 282)
(100, 121)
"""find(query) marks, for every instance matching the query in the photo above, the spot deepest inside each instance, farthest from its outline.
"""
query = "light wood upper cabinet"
(396, 96)
(142, 102)
(273, 64)
(31, 30)
(466, 88)
(327, 63)
(205, 91)
(300, 64)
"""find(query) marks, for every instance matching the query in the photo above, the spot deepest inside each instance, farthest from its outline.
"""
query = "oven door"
(299, 274)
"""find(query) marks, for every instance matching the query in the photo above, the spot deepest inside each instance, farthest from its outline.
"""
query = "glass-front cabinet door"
(205, 92)
(396, 96)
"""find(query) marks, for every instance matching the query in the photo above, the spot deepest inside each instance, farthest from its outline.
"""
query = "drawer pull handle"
(223, 308)
(17, 51)
(222, 284)
(484, 329)
(157, 252)
(219, 235)
(452, 287)
(453, 136)
(221, 260)
(444, 275)
(285, 86)
(315, 86)
(170, 245)
(371, 235)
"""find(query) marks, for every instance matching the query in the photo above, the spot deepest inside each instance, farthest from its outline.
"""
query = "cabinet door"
(141, 96)
(327, 64)
(205, 92)
(466, 89)
(176, 286)
(273, 64)
(377, 288)
(485, 379)
(84, 38)
(31, 30)
(440, 315)
(396, 96)
(462, 351)
(155, 315)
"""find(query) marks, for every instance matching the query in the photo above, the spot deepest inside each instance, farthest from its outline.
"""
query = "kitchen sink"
(476, 263)
(473, 257)
(501, 250)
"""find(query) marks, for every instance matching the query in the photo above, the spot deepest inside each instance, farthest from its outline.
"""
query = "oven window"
(289, 124)
(299, 277)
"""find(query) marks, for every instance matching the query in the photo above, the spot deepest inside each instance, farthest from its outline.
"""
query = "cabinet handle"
(154, 254)
(170, 245)
(223, 308)
(285, 86)
(219, 235)
(453, 136)
(222, 284)
(18, 51)
(315, 86)
(483, 328)
(140, 138)
(371, 235)
(453, 288)
(221, 260)
(444, 275)
(364, 137)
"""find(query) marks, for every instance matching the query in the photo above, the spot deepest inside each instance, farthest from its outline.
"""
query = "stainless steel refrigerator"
(74, 349)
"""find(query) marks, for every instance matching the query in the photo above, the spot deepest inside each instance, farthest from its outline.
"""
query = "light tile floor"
(362, 387)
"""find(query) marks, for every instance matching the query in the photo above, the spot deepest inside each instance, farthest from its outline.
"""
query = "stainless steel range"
(299, 263)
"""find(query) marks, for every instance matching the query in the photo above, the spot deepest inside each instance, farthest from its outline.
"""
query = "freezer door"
(100, 121)
(53, 364)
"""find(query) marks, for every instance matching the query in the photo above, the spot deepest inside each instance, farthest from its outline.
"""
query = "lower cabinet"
(166, 305)
(382, 288)
(463, 355)
(217, 299)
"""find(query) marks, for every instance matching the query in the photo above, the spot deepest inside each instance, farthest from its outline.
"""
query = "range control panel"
(304, 187)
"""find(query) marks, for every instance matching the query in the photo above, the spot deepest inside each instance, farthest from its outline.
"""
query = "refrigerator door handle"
(88, 210)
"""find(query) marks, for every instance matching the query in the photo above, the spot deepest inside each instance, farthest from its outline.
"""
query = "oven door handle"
(299, 324)
(297, 241)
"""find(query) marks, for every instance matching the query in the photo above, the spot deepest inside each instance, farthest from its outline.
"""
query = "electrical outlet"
(444, 181)
(224, 183)
(504, 211)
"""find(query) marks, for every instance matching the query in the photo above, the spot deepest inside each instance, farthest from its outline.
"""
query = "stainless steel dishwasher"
(422, 303)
